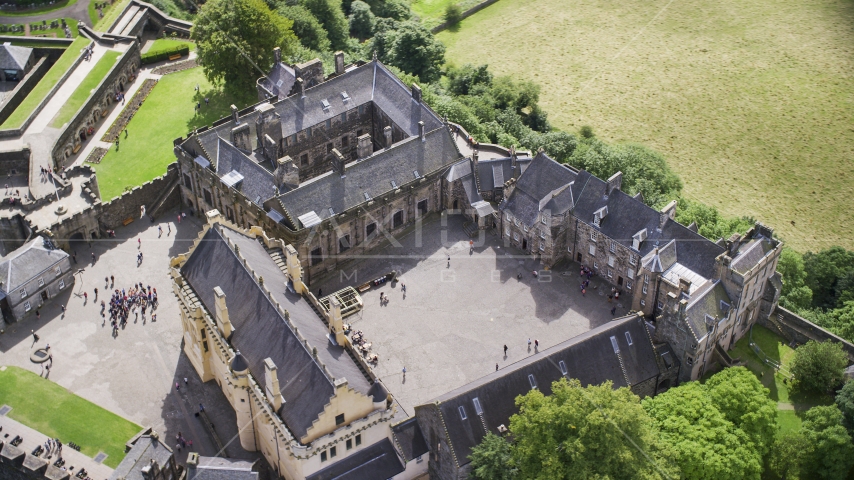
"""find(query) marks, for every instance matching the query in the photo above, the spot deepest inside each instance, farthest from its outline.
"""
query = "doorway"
(44, 295)
(524, 244)
(578, 258)
(455, 204)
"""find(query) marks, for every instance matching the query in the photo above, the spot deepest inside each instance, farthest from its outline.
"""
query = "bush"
(586, 131)
(453, 15)
(819, 366)
(147, 58)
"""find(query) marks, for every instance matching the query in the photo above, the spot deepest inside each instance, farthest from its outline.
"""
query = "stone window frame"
(339, 419)
(613, 247)
(402, 218)
(58, 270)
(544, 220)
(525, 228)
(329, 147)
(516, 222)
(542, 234)
(61, 284)
(633, 260)
(630, 273)
(303, 159)
(27, 306)
(367, 233)
(516, 236)
(333, 452)
(645, 287)
(646, 279)
(628, 284)
(418, 209)
(341, 247)
(610, 273)
(358, 439)
(23, 293)
(323, 456)
(345, 140)
(594, 235)
(595, 265)
(41, 282)
(507, 230)
(349, 444)
(591, 249)
(612, 260)
(643, 303)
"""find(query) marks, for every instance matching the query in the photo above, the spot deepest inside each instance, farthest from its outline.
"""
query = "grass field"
(167, 44)
(59, 32)
(111, 13)
(431, 12)
(39, 10)
(45, 84)
(54, 411)
(749, 100)
(84, 90)
(168, 113)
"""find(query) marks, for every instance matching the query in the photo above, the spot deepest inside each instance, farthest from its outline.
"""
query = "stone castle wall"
(798, 329)
(24, 87)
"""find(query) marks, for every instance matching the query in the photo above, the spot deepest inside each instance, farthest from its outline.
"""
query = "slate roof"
(409, 439)
(279, 81)
(589, 357)
(261, 332)
(493, 172)
(543, 182)
(28, 262)
(13, 57)
(219, 468)
(750, 253)
(372, 175)
(371, 82)
(257, 180)
(145, 450)
(707, 301)
(377, 462)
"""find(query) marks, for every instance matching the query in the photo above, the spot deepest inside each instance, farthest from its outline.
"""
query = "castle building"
(32, 275)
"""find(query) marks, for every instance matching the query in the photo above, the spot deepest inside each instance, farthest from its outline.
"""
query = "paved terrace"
(450, 326)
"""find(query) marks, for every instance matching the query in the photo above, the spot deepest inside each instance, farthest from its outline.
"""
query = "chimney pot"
(387, 134)
(234, 114)
(277, 54)
(339, 63)
(421, 131)
(416, 92)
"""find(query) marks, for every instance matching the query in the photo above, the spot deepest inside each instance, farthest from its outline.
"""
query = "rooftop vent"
(562, 366)
(417, 175)
(325, 104)
(478, 410)
(628, 338)
(345, 97)
(367, 197)
(393, 184)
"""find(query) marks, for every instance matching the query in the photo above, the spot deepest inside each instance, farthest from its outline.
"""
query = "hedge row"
(147, 58)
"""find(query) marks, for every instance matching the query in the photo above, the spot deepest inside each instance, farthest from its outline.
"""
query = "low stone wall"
(14, 232)
(480, 6)
(15, 162)
(42, 41)
(19, 131)
(129, 111)
(96, 107)
(24, 88)
(801, 330)
(129, 204)
(173, 67)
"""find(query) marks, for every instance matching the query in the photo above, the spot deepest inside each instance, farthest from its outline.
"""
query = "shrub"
(453, 15)
(586, 131)
(147, 58)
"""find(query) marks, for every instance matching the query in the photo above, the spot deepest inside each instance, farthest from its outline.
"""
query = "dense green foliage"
(453, 14)
(362, 20)
(821, 449)
(710, 223)
(819, 366)
(234, 37)
(845, 402)
(331, 16)
(720, 429)
(308, 30)
(492, 459)
(153, 57)
(408, 46)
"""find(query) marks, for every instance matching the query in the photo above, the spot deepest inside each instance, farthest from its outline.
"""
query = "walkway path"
(78, 11)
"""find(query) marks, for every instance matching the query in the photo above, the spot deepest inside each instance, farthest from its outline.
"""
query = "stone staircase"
(470, 228)
(726, 359)
(163, 197)
(776, 321)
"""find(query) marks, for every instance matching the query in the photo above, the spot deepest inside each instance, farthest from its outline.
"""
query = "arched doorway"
(663, 385)
(77, 242)
(456, 204)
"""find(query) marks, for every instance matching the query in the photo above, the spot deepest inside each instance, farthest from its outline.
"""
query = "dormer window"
(325, 104)
(594, 236)
(562, 366)
(544, 220)
(463, 415)
(416, 174)
(478, 410)
(345, 97)
(393, 184)
(532, 381)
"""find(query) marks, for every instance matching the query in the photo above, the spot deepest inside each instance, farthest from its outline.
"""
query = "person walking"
(505, 349)
(404, 373)
(614, 311)
(35, 336)
(536, 344)
(93, 257)
(496, 367)
(168, 229)
(138, 243)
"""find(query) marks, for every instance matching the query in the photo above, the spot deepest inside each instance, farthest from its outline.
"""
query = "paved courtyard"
(450, 326)
(133, 374)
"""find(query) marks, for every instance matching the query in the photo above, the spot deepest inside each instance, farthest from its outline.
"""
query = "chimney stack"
(364, 148)
(286, 174)
(615, 182)
(387, 134)
(421, 131)
(336, 321)
(416, 92)
(338, 162)
(300, 87)
(221, 314)
(271, 384)
(339, 63)
(277, 54)
(234, 115)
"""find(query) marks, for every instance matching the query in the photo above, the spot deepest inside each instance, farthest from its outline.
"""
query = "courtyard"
(450, 325)
(133, 374)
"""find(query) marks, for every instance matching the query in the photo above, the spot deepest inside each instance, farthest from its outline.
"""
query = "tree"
(461, 81)
(744, 401)
(362, 20)
(491, 459)
(330, 15)
(823, 271)
(453, 15)
(821, 449)
(586, 432)
(791, 268)
(819, 366)
(845, 402)
(414, 50)
(785, 457)
(309, 31)
(235, 41)
(707, 445)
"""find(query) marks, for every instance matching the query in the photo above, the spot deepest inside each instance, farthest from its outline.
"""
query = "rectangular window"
(643, 303)
(61, 284)
(333, 452)
(516, 222)
(596, 265)
(516, 236)
(349, 443)
(397, 219)
(361, 109)
(370, 229)
(41, 282)
(613, 247)
(27, 307)
(208, 197)
(614, 344)
(316, 256)
(463, 415)
(358, 439)
(628, 338)
(23, 293)
(542, 246)
(345, 141)
(660, 305)
(204, 334)
(339, 419)
(205, 344)
(329, 147)
(525, 227)
(188, 182)
(542, 234)
(611, 260)
(646, 279)
(532, 381)
(344, 244)
(592, 250)
(294, 139)
(477, 408)
(633, 260)
(628, 284)
(630, 272)
(422, 207)
(343, 117)
(308, 132)
(593, 236)
(58, 270)
(610, 273)
(323, 456)
(644, 289)
(562, 366)
(303, 159)
(507, 231)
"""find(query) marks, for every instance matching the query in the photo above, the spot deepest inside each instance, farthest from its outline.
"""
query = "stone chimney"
(277, 54)
(338, 162)
(234, 116)
(670, 210)
(192, 460)
(514, 163)
(294, 269)
(421, 131)
(684, 285)
(387, 134)
(271, 384)
(300, 87)
(683, 305)
(474, 160)
(339, 63)
(364, 147)
(615, 182)
(286, 174)
(221, 314)
(416, 92)
(336, 320)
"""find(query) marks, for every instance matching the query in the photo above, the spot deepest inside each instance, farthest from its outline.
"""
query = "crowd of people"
(136, 300)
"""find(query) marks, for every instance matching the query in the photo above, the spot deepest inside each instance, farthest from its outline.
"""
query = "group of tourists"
(136, 300)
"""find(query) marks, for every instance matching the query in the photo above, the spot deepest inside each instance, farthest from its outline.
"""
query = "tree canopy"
(362, 20)
(331, 16)
(410, 47)
(235, 41)
(819, 366)
(309, 31)
(744, 401)
(820, 449)
(492, 459)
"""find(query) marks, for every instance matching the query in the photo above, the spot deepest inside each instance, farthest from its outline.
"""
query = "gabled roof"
(13, 57)
(220, 468)
(493, 172)
(261, 331)
(751, 253)
(711, 301)
(280, 80)
(143, 452)
(257, 183)
(32, 259)
(409, 439)
(398, 164)
(377, 462)
(589, 357)
(544, 185)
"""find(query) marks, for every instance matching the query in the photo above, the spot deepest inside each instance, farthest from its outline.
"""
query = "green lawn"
(168, 113)
(59, 31)
(750, 101)
(84, 90)
(167, 44)
(39, 10)
(25, 109)
(111, 13)
(431, 12)
(54, 411)
(788, 421)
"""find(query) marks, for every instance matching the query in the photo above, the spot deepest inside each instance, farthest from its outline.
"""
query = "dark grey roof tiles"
(280, 80)
(144, 451)
(409, 439)
(711, 300)
(27, 262)
(396, 164)
(376, 462)
(258, 182)
(751, 253)
(13, 57)
(589, 357)
(219, 468)
(261, 332)
(493, 172)
(543, 185)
